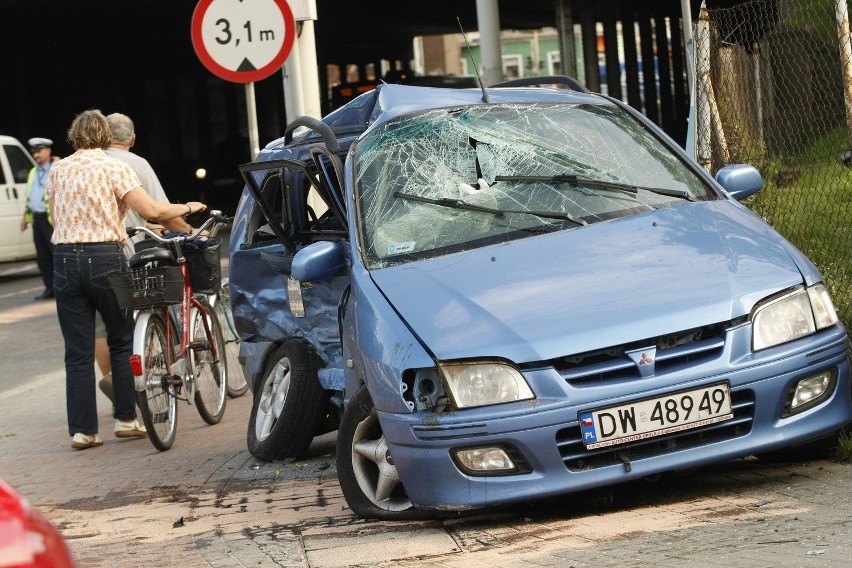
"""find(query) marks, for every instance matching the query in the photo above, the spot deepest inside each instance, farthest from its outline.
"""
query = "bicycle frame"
(182, 364)
(179, 363)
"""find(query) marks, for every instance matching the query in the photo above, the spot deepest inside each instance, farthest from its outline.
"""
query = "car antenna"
(478, 78)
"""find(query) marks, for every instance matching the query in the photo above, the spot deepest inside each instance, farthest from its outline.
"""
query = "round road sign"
(243, 40)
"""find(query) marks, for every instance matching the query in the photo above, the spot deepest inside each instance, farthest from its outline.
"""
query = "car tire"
(820, 449)
(362, 461)
(289, 404)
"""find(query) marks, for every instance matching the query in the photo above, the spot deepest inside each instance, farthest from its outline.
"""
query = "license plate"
(656, 417)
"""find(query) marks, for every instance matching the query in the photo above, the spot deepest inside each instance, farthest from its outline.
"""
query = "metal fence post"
(702, 72)
(844, 40)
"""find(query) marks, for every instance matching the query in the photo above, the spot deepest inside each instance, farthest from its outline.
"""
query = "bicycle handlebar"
(216, 217)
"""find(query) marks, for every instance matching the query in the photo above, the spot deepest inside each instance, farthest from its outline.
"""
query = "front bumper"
(547, 433)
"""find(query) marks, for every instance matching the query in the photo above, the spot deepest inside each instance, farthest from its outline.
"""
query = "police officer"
(37, 212)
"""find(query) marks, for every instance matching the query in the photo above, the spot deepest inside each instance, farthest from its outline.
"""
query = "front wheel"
(158, 401)
(209, 371)
(289, 404)
(237, 384)
(365, 468)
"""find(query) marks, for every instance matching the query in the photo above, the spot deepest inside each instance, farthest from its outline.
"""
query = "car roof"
(8, 139)
(388, 101)
(394, 100)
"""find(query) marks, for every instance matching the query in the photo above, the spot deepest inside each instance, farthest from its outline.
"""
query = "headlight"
(809, 392)
(498, 459)
(481, 384)
(824, 313)
(792, 315)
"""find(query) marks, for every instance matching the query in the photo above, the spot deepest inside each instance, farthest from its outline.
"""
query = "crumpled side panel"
(262, 313)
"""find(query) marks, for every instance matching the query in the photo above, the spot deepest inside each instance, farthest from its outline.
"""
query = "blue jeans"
(81, 287)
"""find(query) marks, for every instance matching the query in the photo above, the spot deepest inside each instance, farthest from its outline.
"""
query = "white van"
(15, 165)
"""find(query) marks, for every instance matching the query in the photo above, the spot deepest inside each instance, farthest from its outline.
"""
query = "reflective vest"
(28, 214)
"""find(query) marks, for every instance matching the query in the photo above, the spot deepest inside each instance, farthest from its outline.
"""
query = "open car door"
(280, 186)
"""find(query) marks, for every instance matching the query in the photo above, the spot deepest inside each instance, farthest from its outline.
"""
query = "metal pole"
(845, 41)
(565, 22)
(294, 103)
(310, 70)
(758, 88)
(488, 18)
(689, 44)
(251, 112)
(702, 57)
(535, 54)
(686, 15)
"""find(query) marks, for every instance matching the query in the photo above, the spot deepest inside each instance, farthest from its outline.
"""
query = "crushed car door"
(281, 222)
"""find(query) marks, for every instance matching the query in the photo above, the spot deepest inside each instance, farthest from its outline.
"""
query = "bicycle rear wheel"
(237, 384)
(211, 379)
(158, 402)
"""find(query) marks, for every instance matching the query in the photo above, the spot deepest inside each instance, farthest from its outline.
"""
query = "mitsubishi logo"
(643, 358)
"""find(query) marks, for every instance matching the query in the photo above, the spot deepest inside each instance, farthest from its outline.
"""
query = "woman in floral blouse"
(90, 193)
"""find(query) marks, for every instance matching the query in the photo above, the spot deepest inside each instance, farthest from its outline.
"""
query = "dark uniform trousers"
(42, 232)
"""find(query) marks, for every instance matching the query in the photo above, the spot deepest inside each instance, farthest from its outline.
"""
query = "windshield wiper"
(460, 204)
(599, 184)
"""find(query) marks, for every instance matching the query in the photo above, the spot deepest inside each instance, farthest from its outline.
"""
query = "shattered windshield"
(454, 179)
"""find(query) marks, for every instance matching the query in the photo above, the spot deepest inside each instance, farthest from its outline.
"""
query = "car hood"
(603, 285)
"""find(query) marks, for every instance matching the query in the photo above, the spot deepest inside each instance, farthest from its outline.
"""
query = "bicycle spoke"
(237, 385)
(209, 369)
(157, 403)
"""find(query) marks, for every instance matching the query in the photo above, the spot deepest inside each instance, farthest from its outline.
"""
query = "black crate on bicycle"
(205, 267)
(141, 288)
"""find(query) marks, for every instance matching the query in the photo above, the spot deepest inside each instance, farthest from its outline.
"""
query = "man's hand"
(195, 207)
(23, 224)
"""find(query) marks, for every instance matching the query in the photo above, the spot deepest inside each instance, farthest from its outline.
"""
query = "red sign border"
(242, 76)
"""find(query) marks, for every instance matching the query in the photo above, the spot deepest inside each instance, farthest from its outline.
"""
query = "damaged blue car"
(505, 294)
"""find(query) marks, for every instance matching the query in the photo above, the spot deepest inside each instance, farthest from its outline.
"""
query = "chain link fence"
(770, 86)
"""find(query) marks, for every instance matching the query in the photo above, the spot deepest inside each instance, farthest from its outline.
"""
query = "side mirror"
(318, 261)
(740, 180)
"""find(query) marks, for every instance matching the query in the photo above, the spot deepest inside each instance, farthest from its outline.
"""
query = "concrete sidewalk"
(207, 502)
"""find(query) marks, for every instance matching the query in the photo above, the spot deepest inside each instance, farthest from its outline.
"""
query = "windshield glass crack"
(448, 180)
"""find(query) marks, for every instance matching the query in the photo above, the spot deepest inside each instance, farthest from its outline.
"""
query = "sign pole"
(251, 113)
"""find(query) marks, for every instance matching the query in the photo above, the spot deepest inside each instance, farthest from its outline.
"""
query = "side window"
(19, 162)
(316, 203)
(258, 229)
(293, 203)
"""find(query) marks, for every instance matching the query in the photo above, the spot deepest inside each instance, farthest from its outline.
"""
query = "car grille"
(674, 352)
(577, 458)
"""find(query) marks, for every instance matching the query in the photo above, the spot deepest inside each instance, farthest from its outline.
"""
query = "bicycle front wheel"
(158, 402)
(237, 384)
(211, 379)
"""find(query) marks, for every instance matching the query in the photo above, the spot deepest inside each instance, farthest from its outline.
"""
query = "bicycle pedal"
(199, 345)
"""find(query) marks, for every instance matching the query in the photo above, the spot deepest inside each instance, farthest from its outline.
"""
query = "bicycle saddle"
(155, 254)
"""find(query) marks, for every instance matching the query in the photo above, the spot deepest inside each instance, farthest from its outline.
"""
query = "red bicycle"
(179, 349)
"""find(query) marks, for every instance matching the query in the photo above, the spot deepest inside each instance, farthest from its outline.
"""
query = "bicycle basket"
(141, 288)
(205, 267)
